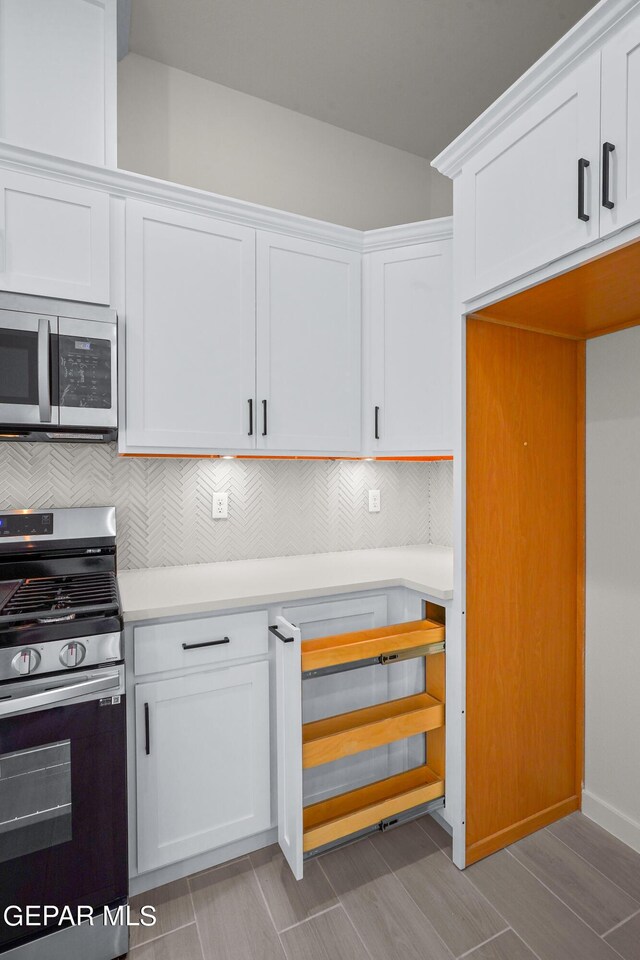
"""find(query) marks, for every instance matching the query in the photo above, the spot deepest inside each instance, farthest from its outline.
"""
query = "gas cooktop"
(59, 601)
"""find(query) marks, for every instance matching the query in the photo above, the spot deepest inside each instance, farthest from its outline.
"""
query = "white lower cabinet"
(325, 617)
(202, 760)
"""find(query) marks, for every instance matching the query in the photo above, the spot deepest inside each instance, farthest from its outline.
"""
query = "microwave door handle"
(55, 695)
(44, 382)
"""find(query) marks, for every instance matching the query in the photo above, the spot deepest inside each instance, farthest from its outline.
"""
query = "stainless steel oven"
(58, 370)
(63, 812)
(63, 758)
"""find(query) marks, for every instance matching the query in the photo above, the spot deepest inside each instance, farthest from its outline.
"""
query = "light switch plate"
(220, 506)
(374, 501)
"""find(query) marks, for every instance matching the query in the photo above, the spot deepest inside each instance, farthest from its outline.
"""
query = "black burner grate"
(51, 598)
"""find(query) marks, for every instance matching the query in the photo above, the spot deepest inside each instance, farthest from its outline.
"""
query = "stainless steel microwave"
(58, 370)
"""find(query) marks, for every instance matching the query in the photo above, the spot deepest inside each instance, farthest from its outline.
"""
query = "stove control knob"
(26, 661)
(72, 654)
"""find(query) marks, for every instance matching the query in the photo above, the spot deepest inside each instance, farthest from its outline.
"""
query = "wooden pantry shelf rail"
(345, 648)
(340, 816)
(347, 733)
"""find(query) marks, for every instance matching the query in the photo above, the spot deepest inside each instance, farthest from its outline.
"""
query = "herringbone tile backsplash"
(276, 507)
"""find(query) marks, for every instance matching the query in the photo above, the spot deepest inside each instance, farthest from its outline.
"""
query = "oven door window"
(19, 367)
(35, 799)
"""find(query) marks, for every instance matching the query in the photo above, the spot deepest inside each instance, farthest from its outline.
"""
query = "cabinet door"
(410, 316)
(308, 346)
(289, 743)
(54, 238)
(190, 331)
(621, 128)
(202, 762)
(518, 196)
(58, 77)
(328, 617)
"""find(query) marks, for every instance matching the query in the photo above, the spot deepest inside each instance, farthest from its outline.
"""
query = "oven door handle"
(55, 695)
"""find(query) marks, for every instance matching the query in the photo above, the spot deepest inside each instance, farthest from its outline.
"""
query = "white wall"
(612, 762)
(179, 127)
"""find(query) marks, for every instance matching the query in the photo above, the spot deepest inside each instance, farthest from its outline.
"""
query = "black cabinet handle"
(250, 402)
(582, 166)
(376, 423)
(264, 418)
(147, 740)
(205, 643)
(280, 636)
(607, 150)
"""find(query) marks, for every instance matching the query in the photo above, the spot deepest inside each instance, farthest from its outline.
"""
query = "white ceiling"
(409, 73)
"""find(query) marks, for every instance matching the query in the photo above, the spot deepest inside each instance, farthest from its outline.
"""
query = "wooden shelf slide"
(347, 813)
(346, 648)
(326, 740)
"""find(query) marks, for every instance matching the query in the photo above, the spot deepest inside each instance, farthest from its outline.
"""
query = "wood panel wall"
(525, 582)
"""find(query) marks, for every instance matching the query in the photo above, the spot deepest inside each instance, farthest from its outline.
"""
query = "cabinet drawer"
(193, 643)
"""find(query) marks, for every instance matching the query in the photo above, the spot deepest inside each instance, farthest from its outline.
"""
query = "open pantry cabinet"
(533, 592)
(360, 730)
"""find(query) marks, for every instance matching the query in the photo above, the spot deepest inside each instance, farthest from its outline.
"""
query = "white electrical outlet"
(374, 501)
(220, 506)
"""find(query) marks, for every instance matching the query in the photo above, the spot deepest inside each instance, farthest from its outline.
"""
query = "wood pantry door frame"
(525, 502)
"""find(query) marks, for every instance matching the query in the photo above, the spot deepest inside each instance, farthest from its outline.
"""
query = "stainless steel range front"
(63, 811)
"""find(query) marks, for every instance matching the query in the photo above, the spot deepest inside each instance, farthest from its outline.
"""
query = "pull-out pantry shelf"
(389, 643)
(326, 740)
(301, 831)
(348, 813)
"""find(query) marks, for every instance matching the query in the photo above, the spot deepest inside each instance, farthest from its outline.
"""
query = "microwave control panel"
(84, 372)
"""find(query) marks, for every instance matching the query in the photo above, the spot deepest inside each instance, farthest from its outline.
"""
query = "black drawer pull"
(607, 150)
(205, 643)
(376, 420)
(250, 433)
(582, 166)
(264, 418)
(147, 740)
(281, 636)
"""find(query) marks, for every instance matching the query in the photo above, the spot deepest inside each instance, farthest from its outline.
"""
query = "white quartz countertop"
(204, 587)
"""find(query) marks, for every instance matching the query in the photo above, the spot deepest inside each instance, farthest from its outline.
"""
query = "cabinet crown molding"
(136, 186)
(581, 40)
(423, 231)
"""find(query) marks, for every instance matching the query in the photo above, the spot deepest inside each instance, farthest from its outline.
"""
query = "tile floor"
(570, 892)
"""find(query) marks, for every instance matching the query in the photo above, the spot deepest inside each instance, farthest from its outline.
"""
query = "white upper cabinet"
(409, 320)
(621, 129)
(190, 331)
(527, 196)
(58, 77)
(54, 238)
(309, 320)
